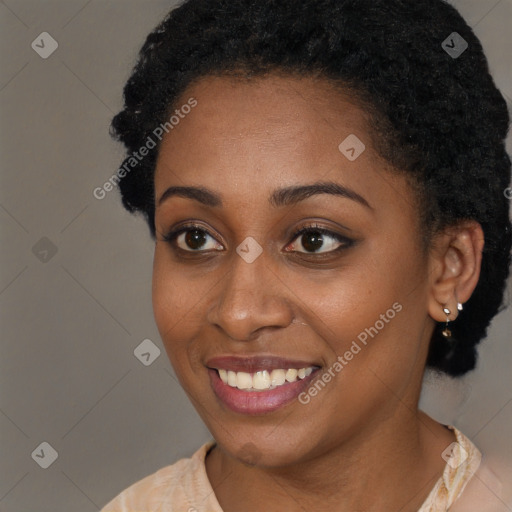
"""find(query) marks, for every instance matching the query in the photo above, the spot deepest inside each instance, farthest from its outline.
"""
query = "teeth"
(291, 375)
(243, 380)
(263, 380)
(231, 379)
(277, 377)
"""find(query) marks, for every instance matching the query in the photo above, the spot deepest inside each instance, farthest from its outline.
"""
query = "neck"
(391, 465)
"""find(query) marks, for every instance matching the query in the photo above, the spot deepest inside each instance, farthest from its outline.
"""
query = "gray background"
(71, 320)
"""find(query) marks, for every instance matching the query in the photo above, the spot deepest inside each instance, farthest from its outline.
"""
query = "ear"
(455, 259)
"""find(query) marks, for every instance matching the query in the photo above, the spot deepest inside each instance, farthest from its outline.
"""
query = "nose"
(250, 299)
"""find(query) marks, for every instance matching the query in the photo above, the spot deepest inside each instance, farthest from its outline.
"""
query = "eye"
(193, 238)
(317, 240)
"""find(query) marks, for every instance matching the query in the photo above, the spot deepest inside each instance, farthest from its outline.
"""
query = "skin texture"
(361, 443)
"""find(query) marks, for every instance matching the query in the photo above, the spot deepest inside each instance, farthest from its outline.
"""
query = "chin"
(271, 447)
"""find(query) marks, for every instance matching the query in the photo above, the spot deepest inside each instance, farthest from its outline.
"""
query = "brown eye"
(315, 240)
(312, 241)
(193, 239)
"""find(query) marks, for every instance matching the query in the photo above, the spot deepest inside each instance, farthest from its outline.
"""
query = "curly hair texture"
(439, 120)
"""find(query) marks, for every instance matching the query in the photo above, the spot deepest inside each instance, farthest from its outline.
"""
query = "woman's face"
(241, 296)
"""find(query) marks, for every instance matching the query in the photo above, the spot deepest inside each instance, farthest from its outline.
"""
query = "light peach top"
(184, 486)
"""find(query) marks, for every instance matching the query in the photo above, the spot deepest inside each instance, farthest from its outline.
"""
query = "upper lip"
(254, 364)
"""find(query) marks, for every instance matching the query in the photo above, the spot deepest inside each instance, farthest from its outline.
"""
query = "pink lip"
(258, 402)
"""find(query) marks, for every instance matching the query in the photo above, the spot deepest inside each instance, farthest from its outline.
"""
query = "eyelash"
(312, 228)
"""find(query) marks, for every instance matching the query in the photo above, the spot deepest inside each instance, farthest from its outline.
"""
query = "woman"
(324, 181)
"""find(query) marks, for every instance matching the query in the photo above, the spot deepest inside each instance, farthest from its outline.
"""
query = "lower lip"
(257, 402)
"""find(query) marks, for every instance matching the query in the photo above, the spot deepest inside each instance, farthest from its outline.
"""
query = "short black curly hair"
(439, 119)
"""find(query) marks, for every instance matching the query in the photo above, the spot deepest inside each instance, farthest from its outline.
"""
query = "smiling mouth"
(260, 384)
(265, 379)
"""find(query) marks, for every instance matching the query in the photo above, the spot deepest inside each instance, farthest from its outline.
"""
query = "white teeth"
(277, 377)
(243, 380)
(232, 379)
(291, 375)
(223, 374)
(263, 379)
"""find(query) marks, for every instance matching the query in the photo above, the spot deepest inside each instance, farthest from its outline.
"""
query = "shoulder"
(488, 490)
(469, 482)
(177, 485)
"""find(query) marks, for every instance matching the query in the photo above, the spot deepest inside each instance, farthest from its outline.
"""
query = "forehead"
(253, 135)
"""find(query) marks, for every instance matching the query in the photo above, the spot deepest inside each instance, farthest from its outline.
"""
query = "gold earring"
(446, 332)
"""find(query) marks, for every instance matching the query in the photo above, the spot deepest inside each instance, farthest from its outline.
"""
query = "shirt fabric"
(184, 486)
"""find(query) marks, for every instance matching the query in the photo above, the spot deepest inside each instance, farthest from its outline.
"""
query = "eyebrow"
(281, 197)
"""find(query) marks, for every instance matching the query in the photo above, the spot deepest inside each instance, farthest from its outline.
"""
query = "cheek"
(387, 333)
(378, 302)
(348, 298)
(176, 294)
(177, 302)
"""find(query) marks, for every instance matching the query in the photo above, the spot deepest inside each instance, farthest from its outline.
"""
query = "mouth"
(258, 385)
